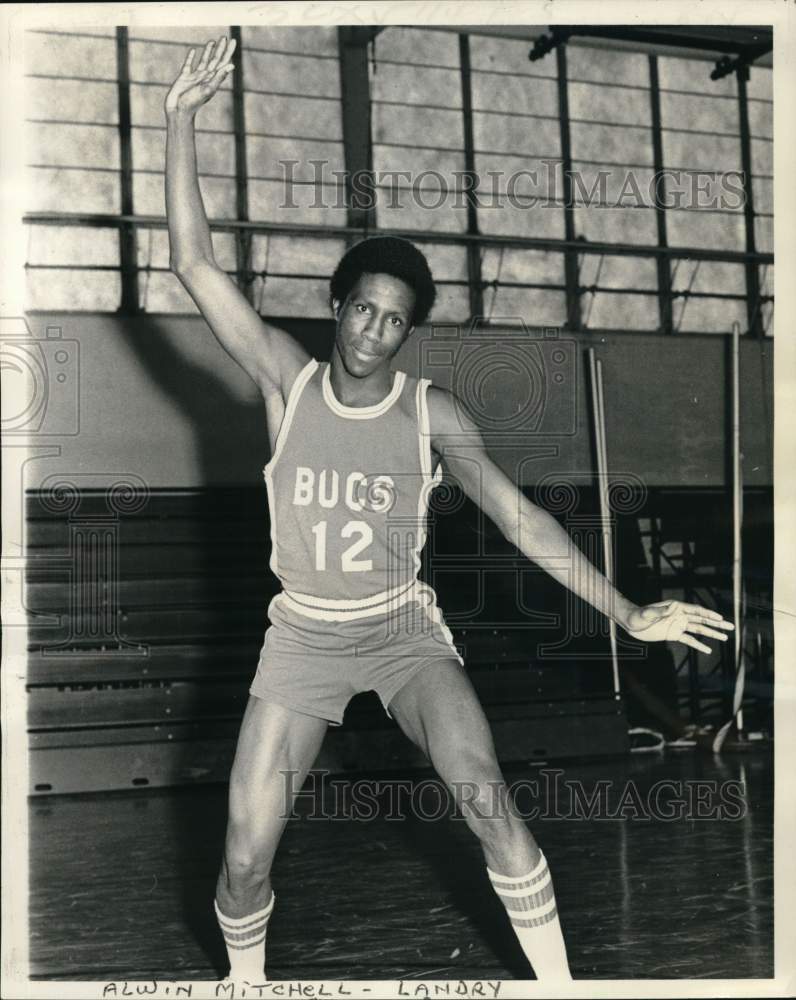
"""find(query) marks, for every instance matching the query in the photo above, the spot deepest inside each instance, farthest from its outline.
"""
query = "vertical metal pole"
(473, 249)
(753, 311)
(598, 413)
(358, 151)
(570, 256)
(662, 261)
(655, 532)
(694, 686)
(738, 603)
(243, 237)
(128, 254)
(737, 516)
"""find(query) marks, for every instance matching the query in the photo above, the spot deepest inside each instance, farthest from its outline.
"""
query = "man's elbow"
(187, 267)
(519, 524)
(508, 527)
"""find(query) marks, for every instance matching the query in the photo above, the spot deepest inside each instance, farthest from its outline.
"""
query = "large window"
(594, 188)
(417, 127)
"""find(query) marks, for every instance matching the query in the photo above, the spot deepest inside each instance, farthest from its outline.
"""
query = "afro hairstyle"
(386, 255)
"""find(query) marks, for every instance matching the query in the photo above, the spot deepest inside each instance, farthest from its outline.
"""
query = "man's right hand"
(196, 84)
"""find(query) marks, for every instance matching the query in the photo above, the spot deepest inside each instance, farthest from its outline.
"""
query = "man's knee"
(482, 799)
(253, 830)
(482, 796)
(474, 778)
(247, 854)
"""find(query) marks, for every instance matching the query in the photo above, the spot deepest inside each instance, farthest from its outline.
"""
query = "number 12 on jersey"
(363, 536)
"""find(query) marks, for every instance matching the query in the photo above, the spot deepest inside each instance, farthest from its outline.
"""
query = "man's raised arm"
(539, 536)
(269, 355)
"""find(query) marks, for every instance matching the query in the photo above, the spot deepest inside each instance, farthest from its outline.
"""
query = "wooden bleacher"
(161, 614)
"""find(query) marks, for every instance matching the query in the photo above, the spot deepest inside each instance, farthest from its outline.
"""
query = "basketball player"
(355, 450)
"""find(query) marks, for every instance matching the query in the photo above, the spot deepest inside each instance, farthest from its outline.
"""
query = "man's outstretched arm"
(269, 355)
(539, 536)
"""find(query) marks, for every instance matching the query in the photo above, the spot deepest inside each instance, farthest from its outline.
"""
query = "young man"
(356, 449)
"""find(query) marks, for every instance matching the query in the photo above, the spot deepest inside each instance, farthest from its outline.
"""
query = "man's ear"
(336, 307)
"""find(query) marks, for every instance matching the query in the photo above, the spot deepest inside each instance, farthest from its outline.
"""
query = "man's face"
(373, 322)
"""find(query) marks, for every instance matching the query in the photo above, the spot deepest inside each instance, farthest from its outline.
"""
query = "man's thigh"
(439, 711)
(276, 748)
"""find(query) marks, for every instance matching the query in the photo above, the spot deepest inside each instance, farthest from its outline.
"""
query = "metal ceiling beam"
(683, 41)
(745, 52)
(688, 38)
(360, 34)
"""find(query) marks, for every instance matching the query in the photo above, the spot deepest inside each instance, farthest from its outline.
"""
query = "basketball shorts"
(316, 666)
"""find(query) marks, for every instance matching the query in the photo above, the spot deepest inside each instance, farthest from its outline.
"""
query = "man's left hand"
(675, 620)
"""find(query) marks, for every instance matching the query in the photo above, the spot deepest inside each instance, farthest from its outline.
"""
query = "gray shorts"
(315, 667)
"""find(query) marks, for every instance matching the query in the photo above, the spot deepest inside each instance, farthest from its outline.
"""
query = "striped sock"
(245, 940)
(531, 906)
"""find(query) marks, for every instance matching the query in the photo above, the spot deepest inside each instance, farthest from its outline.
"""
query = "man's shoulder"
(440, 397)
(447, 414)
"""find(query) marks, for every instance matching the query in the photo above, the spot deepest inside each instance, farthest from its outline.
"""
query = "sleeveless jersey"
(348, 491)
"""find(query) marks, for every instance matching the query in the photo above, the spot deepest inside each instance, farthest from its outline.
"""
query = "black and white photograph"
(394, 564)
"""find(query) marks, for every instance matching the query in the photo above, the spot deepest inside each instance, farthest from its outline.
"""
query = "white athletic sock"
(245, 940)
(531, 906)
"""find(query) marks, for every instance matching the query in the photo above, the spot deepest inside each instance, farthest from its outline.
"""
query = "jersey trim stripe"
(430, 596)
(424, 423)
(334, 604)
(429, 480)
(296, 390)
(361, 412)
(331, 611)
(416, 591)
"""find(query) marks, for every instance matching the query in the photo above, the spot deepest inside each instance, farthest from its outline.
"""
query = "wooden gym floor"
(122, 885)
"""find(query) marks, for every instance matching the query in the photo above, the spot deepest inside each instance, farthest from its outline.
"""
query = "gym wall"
(159, 398)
